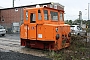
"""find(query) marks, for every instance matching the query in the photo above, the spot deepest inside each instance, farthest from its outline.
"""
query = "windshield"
(54, 16)
(79, 28)
(1, 27)
(76, 27)
(46, 14)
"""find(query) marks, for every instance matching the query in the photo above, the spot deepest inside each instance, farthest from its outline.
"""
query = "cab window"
(54, 16)
(61, 16)
(32, 18)
(39, 15)
(45, 14)
(26, 15)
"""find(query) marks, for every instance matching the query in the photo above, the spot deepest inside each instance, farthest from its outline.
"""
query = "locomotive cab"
(44, 28)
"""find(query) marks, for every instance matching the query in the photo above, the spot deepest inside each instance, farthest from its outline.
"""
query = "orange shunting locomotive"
(44, 28)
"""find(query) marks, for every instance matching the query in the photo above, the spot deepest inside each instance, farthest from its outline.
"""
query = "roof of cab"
(42, 8)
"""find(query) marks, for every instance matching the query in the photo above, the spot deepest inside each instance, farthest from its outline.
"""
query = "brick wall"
(9, 16)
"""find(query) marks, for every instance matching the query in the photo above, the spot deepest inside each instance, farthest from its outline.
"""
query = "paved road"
(11, 36)
(19, 56)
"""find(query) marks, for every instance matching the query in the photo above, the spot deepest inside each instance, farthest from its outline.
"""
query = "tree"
(68, 22)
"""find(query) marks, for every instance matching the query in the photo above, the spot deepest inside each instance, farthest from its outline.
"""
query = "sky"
(71, 7)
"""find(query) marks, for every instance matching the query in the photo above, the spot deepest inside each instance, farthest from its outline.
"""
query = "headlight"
(56, 29)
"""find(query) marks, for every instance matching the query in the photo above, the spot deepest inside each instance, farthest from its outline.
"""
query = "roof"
(33, 5)
(1, 7)
(43, 7)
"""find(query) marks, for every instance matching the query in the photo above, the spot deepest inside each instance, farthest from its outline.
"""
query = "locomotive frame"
(44, 28)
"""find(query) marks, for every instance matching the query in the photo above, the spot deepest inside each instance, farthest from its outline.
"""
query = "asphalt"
(19, 56)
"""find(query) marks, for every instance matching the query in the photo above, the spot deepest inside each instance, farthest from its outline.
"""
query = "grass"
(78, 50)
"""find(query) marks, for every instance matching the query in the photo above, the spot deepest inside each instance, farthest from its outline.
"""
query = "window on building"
(2, 19)
(32, 18)
(55, 6)
(61, 16)
(51, 6)
(39, 15)
(54, 16)
(45, 14)
(26, 15)
(16, 9)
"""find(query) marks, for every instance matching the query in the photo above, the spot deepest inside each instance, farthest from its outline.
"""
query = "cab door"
(32, 25)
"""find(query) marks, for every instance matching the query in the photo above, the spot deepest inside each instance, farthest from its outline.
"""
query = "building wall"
(9, 16)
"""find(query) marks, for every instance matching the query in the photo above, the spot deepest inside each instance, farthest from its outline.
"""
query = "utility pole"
(87, 27)
(88, 11)
(21, 16)
(80, 17)
(13, 3)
